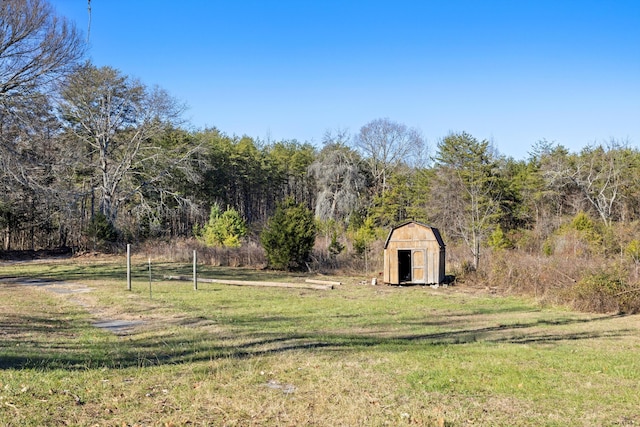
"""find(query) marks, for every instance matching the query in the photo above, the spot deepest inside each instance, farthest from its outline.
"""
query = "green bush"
(289, 236)
(597, 235)
(223, 229)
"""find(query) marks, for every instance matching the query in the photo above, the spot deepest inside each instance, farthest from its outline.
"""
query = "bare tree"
(37, 48)
(115, 119)
(385, 145)
(600, 174)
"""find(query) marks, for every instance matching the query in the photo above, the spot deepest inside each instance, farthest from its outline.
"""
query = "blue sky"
(513, 72)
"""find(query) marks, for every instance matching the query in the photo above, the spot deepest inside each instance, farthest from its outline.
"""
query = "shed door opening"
(404, 266)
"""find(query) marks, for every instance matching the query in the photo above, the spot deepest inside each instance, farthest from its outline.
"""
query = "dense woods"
(92, 159)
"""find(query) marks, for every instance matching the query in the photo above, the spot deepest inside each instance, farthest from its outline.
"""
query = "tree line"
(93, 158)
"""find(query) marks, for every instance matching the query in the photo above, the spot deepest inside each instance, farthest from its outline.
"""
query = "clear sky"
(513, 71)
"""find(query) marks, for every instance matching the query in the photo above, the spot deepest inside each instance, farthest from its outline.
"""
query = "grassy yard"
(354, 355)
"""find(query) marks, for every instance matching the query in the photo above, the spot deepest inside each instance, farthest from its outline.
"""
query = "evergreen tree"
(467, 191)
(289, 236)
(223, 229)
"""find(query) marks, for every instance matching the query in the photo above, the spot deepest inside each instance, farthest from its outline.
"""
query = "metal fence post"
(195, 271)
(128, 266)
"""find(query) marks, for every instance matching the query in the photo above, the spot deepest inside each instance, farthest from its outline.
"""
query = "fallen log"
(253, 283)
(323, 282)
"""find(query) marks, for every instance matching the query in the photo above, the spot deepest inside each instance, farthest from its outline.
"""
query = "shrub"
(582, 222)
(582, 236)
(598, 236)
(605, 291)
(289, 236)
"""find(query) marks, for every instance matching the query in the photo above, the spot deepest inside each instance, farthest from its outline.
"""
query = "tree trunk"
(476, 256)
(7, 238)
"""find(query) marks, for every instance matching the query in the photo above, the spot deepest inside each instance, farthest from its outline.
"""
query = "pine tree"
(223, 229)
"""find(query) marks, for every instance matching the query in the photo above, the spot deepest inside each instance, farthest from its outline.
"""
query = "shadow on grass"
(32, 342)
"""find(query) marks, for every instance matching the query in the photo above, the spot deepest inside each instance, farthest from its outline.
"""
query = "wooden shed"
(414, 254)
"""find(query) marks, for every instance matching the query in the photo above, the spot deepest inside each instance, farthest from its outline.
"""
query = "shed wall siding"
(428, 267)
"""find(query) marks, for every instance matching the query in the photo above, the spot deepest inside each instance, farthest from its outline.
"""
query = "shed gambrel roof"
(436, 232)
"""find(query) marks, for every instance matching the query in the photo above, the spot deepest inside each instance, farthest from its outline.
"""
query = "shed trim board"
(414, 253)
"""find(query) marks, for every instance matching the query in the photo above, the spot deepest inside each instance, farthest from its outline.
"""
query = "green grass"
(355, 355)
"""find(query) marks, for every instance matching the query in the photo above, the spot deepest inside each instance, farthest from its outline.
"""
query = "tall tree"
(163, 200)
(385, 145)
(398, 202)
(37, 48)
(236, 173)
(114, 121)
(338, 179)
(550, 198)
(30, 166)
(466, 191)
(289, 161)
